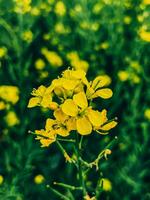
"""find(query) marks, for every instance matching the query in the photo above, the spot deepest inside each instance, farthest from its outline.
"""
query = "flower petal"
(94, 117)
(84, 126)
(109, 126)
(59, 115)
(70, 108)
(105, 93)
(80, 100)
(101, 81)
(34, 101)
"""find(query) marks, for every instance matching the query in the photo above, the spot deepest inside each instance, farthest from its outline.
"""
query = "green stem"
(68, 186)
(80, 169)
(57, 193)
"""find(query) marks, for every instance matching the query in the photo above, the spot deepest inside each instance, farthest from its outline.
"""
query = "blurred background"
(38, 40)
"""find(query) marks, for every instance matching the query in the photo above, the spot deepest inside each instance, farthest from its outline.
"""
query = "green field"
(108, 39)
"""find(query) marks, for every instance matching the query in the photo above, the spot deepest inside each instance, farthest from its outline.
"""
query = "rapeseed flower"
(147, 113)
(1, 179)
(39, 64)
(3, 52)
(11, 119)
(52, 57)
(9, 93)
(60, 8)
(72, 111)
(38, 179)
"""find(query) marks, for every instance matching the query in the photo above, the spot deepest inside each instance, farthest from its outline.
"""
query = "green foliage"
(105, 34)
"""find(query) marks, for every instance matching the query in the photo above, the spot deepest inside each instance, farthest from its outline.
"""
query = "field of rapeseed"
(74, 99)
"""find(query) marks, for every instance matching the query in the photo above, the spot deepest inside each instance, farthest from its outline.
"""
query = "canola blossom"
(70, 97)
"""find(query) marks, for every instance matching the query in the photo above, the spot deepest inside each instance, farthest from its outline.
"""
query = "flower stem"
(80, 169)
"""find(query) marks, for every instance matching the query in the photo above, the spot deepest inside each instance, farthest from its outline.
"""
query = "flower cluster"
(70, 97)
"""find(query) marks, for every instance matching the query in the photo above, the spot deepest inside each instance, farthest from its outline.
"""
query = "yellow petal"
(59, 115)
(46, 100)
(101, 81)
(94, 117)
(49, 124)
(40, 91)
(63, 132)
(103, 117)
(71, 124)
(46, 142)
(80, 100)
(70, 108)
(84, 127)
(105, 93)
(70, 84)
(33, 102)
(109, 126)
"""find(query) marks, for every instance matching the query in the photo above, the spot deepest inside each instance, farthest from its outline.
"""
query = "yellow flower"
(72, 112)
(60, 8)
(27, 36)
(136, 66)
(147, 113)
(38, 179)
(106, 185)
(35, 11)
(39, 64)
(146, 2)
(127, 19)
(1, 179)
(104, 45)
(105, 124)
(9, 93)
(95, 89)
(52, 57)
(76, 62)
(87, 197)
(11, 119)
(41, 98)
(86, 118)
(144, 35)
(135, 79)
(3, 52)
(2, 105)
(22, 6)
(123, 75)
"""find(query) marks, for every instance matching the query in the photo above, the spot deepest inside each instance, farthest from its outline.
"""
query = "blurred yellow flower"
(38, 179)
(35, 11)
(3, 52)
(127, 19)
(135, 65)
(2, 105)
(147, 113)
(123, 75)
(27, 36)
(9, 93)
(144, 35)
(61, 29)
(76, 62)
(106, 185)
(39, 64)
(97, 8)
(52, 57)
(146, 2)
(60, 8)
(135, 78)
(22, 6)
(11, 119)
(1, 179)
(104, 45)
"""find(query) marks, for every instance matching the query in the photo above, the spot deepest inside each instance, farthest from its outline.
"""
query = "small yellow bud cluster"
(69, 96)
